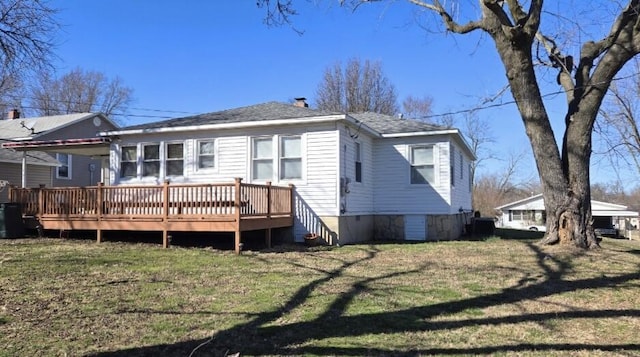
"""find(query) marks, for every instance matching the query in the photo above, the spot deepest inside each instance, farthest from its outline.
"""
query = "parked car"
(606, 232)
(538, 228)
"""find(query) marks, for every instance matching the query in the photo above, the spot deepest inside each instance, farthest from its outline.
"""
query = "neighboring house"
(529, 213)
(39, 167)
(60, 166)
(357, 177)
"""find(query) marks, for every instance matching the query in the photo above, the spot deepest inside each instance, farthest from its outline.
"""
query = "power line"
(484, 106)
(115, 113)
(502, 104)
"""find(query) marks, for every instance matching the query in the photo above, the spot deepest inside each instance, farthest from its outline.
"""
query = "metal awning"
(98, 146)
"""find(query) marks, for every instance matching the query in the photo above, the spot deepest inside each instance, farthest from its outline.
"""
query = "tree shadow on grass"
(262, 336)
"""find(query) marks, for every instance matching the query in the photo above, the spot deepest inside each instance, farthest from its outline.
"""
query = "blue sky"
(192, 57)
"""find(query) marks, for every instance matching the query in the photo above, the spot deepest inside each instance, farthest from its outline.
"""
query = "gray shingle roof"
(258, 112)
(386, 124)
(381, 123)
(13, 128)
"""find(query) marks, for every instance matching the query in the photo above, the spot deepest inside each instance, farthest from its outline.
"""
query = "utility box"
(11, 224)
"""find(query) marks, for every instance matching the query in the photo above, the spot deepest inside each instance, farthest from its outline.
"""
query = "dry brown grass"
(494, 297)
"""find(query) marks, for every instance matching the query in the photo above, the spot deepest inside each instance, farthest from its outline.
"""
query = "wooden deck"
(226, 207)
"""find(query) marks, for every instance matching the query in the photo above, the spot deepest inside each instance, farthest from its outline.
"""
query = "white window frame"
(164, 164)
(143, 161)
(432, 164)
(357, 160)
(452, 165)
(68, 165)
(253, 159)
(198, 155)
(470, 179)
(135, 162)
(276, 158)
(522, 215)
(282, 159)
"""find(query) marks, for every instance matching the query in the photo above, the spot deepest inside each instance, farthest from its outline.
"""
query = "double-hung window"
(64, 170)
(262, 158)
(278, 157)
(290, 158)
(358, 162)
(174, 159)
(470, 179)
(151, 160)
(452, 162)
(522, 215)
(206, 154)
(129, 161)
(422, 164)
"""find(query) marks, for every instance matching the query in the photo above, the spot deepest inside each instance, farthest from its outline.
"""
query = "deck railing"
(179, 200)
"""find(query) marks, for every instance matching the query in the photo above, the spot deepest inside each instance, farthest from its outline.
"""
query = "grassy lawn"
(495, 297)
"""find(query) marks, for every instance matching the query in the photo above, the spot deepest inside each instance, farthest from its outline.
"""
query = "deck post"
(165, 213)
(267, 237)
(292, 204)
(40, 201)
(11, 193)
(99, 211)
(237, 206)
(268, 184)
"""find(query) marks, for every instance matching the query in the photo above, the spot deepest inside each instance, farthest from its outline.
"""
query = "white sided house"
(357, 177)
(529, 214)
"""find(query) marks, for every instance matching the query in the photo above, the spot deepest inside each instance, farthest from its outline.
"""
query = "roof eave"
(361, 125)
(519, 202)
(50, 164)
(455, 132)
(236, 125)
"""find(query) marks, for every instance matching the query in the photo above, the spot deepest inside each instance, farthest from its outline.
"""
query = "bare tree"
(497, 188)
(619, 128)
(27, 28)
(80, 91)
(585, 77)
(480, 137)
(359, 87)
(417, 108)
(26, 34)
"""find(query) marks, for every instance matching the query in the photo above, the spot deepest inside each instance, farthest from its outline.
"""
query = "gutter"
(68, 142)
(435, 132)
(238, 125)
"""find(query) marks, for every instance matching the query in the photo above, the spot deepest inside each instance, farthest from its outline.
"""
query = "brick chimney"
(13, 114)
(301, 102)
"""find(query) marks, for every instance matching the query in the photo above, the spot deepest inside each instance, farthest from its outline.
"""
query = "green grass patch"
(489, 297)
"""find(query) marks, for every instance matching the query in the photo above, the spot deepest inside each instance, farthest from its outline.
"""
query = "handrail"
(166, 200)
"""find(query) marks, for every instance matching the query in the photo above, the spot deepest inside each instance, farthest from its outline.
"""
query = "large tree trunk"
(564, 178)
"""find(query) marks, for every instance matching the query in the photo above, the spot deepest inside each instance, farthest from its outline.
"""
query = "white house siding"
(353, 222)
(461, 190)
(316, 193)
(359, 198)
(393, 191)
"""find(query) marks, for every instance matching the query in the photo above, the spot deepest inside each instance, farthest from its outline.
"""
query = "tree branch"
(563, 63)
(448, 20)
(625, 22)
